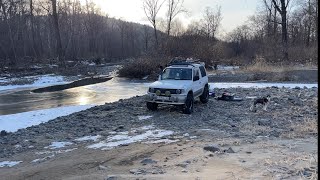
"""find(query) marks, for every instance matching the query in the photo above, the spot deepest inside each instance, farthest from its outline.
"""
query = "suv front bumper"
(175, 99)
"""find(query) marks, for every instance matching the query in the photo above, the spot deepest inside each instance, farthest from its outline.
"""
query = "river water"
(22, 100)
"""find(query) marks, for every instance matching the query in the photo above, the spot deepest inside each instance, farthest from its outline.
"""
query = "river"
(22, 100)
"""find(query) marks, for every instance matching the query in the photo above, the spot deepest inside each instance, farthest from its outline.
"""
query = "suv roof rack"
(181, 63)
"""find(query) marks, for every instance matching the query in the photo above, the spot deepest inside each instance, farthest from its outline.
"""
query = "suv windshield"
(177, 74)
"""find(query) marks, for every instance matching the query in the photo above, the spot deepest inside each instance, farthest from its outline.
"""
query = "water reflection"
(21, 101)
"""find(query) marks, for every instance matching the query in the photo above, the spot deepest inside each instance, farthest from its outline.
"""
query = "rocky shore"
(292, 113)
(287, 107)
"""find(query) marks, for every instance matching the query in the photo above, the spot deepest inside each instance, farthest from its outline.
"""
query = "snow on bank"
(44, 80)
(13, 122)
(52, 155)
(144, 117)
(9, 163)
(166, 141)
(260, 85)
(227, 68)
(58, 145)
(89, 138)
(122, 139)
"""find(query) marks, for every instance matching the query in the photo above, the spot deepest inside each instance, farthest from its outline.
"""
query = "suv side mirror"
(196, 78)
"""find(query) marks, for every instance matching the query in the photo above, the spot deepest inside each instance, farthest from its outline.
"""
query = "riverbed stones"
(264, 122)
(223, 119)
(3, 133)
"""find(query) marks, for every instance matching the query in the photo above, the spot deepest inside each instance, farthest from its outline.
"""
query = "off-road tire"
(188, 107)
(204, 98)
(152, 106)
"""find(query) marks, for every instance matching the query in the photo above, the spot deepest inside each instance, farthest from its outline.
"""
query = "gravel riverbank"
(287, 108)
(124, 140)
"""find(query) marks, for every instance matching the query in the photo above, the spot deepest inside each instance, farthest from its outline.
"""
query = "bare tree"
(151, 9)
(57, 31)
(175, 7)
(146, 37)
(12, 44)
(282, 7)
(32, 28)
(211, 21)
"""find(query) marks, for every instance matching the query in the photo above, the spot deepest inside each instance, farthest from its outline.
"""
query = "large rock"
(148, 161)
(212, 148)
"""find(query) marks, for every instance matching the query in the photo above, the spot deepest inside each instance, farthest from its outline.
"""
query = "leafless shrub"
(141, 67)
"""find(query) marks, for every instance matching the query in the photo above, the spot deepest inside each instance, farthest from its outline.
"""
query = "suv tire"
(204, 98)
(188, 107)
(152, 106)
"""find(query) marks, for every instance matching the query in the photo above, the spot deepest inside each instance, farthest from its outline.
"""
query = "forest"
(46, 31)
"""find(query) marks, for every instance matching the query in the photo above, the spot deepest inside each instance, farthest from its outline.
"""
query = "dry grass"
(301, 164)
(309, 126)
(260, 65)
(251, 128)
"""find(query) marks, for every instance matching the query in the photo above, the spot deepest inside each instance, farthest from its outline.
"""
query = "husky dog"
(263, 101)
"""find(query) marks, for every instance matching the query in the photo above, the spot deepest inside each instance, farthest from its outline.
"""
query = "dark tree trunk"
(156, 35)
(57, 31)
(283, 12)
(32, 29)
(14, 59)
(284, 34)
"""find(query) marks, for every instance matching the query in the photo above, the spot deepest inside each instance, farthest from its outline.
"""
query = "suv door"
(197, 86)
(204, 77)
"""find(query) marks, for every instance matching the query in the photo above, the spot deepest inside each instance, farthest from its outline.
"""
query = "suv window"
(196, 73)
(177, 74)
(203, 71)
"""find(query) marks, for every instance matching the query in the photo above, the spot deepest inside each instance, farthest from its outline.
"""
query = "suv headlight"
(180, 91)
(158, 92)
(151, 90)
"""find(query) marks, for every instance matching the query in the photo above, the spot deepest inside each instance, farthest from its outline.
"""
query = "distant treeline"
(40, 30)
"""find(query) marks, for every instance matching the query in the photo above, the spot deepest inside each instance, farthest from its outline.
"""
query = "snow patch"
(57, 145)
(43, 159)
(13, 122)
(55, 152)
(144, 117)
(166, 141)
(17, 146)
(227, 68)
(89, 138)
(43, 80)
(9, 163)
(259, 85)
(52, 154)
(117, 140)
(118, 137)
(145, 127)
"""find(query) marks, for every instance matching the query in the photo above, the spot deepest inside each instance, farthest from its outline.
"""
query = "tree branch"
(276, 6)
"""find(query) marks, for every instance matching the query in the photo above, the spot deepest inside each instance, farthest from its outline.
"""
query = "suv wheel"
(188, 109)
(152, 106)
(204, 98)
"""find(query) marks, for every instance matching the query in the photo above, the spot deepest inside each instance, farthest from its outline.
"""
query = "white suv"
(179, 84)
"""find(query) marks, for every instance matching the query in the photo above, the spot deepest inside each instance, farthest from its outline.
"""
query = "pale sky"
(234, 12)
